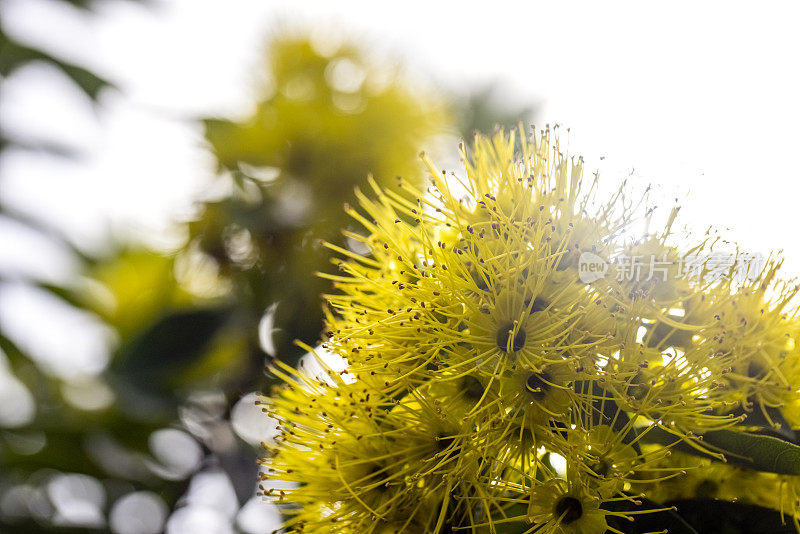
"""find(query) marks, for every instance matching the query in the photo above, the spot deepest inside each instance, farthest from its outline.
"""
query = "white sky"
(699, 97)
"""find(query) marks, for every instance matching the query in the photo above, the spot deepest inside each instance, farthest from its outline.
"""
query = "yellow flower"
(558, 509)
(493, 385)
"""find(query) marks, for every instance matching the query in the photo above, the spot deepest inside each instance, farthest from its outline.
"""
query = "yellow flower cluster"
(507, 373)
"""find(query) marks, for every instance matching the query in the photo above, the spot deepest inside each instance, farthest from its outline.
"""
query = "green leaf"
(755, 451)
(748, 450)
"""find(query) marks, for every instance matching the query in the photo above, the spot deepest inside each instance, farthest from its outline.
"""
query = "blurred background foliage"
(191, 330)
(326, 123)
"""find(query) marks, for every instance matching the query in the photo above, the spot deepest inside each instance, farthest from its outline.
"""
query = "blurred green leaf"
(67, 295)
(47, 230)
(137, 286)
(33, 527)
(14, 55)
(481, 111)
(12, 351)
(172, 345)
(83, 4)
(130, 290)
(64, 451)
(46, 147)
(326, 123)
